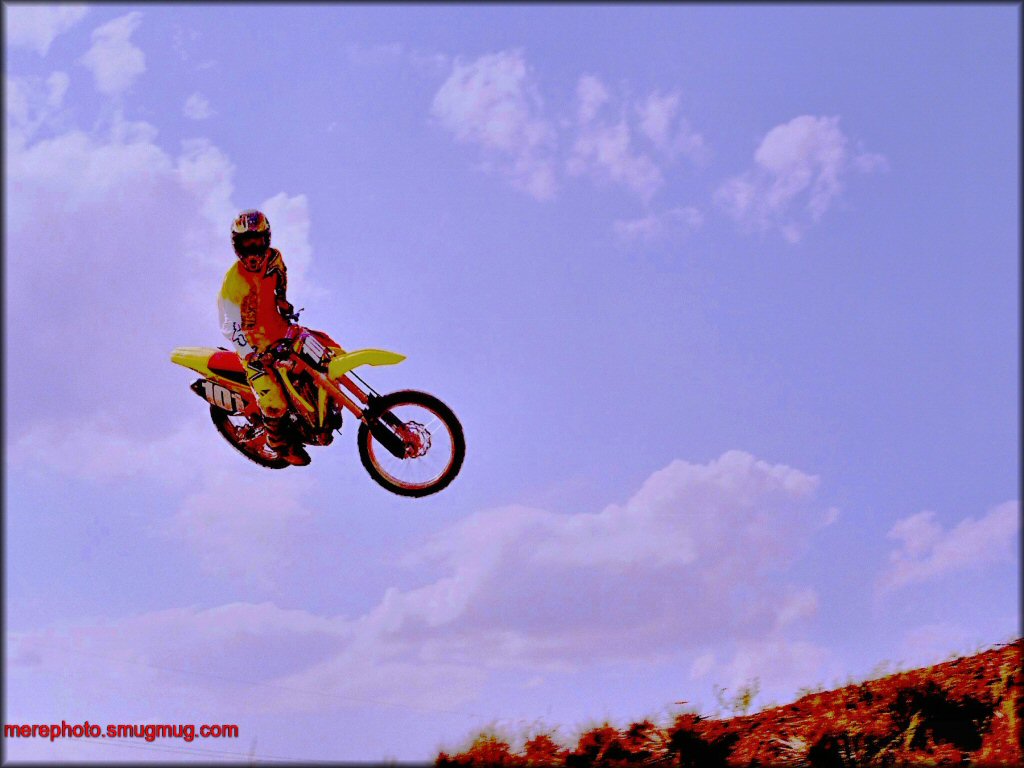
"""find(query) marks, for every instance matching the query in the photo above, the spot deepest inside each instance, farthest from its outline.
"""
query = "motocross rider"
(254, 314)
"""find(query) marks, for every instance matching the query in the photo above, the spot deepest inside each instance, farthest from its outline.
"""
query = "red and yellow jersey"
(250, 305)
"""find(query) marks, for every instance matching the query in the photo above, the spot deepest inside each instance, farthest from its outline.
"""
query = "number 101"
(223, 397)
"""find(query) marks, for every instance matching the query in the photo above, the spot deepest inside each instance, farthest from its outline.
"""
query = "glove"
(287, 310)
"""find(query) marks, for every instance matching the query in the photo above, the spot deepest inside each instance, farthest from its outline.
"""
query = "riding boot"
(278, 442)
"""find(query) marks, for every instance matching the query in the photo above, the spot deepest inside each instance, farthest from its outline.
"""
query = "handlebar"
(281, 350)
(285, 347)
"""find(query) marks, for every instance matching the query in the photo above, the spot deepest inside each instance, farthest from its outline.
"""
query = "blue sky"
(726, 297)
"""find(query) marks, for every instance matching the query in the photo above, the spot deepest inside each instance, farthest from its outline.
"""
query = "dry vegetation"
(966, 711)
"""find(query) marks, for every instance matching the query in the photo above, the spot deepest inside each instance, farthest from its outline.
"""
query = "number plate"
(223, 397)
(313, 349)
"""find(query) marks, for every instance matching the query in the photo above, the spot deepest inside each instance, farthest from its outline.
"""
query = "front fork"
(382, 425)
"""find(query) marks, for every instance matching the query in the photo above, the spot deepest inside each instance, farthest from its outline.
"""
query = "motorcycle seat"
(227, 364)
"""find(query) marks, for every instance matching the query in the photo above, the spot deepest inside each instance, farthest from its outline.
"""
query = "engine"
(305, 386)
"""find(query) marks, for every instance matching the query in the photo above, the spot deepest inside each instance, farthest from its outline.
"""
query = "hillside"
(966, 711)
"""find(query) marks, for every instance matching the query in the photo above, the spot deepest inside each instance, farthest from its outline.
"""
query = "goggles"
(251, 244)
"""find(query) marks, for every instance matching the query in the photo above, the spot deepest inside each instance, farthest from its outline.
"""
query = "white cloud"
(655, 227)
(798, 605)
(603, 149)
(928, 551)
(429, 63)
(37, 26)
(871, 162)
(142, 653)
(289, 223)
(702, 666)
(58, 85)
(73, 234)
(629, 581)
(114, 61)
(366, 675)
(797, 175)
(197, 107)
(111, 208)
(31, 103)
(182, 41)
(657, 114)
(934, 643)
(779, 666)
(243, 523)
(27, 95)
(108, 225)
(228, 658)
(606, 152)
(493, 103)
(185, 44)
(691, 560)
(489, 102)
(591, 95)
(244, 527)
(53, 446)
(206, 173)
(425, 64)
(646, 229)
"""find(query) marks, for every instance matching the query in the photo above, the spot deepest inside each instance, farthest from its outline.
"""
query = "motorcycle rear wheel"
(245, 437)
(436, 445)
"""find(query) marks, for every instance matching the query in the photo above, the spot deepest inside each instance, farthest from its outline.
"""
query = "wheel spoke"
(426, 469)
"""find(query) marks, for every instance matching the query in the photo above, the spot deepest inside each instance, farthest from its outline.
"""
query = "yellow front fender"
(344, 363)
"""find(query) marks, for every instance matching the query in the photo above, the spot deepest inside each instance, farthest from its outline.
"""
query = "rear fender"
(225, 392)
(195, 358)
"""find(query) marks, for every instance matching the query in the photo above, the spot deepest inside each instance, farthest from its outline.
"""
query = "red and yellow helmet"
(250, 236)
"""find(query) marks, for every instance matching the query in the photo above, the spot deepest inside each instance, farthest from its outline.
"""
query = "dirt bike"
(409, 442)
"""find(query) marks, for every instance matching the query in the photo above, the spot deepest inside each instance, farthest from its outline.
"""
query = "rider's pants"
(266, 387)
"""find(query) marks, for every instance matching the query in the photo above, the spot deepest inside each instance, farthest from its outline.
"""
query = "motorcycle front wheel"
(431, 448)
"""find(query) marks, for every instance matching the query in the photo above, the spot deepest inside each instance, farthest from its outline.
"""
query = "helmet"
(250, 236)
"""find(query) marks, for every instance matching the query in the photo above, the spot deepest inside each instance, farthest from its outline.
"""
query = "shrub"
(696, 743)
(486, 749)
(542, 750)
(928, 712)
